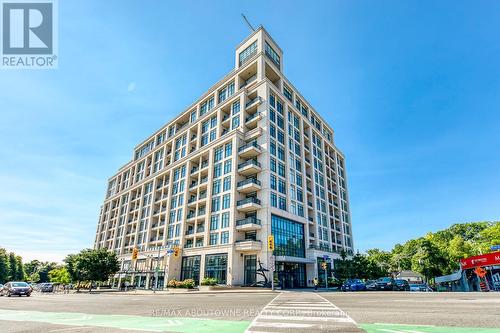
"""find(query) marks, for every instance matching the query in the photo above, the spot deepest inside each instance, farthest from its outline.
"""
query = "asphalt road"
(373, 312)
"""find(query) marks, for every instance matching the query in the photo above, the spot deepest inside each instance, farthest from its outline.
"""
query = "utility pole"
(156, 270)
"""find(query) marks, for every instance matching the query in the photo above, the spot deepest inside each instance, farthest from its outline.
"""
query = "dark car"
(353, 285)
(371, 285)
(46, 287)
(402, 285)
(385, 283)
(16, 288)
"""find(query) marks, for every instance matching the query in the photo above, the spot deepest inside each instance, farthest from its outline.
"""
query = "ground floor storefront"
(477, 273)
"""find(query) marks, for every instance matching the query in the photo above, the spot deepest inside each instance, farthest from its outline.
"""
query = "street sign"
(325, 257)
(170, 251)
(495, 248)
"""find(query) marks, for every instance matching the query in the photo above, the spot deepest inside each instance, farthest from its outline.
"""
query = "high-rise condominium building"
(250, 158)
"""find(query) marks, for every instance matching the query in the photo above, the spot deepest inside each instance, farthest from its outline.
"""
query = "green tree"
(19, 269)
(12, 266)
(489, 236)
(4, 266)
(59, 275)
(92, 265)
(428, 260)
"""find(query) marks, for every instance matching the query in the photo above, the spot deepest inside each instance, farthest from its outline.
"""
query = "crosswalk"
(295, 312)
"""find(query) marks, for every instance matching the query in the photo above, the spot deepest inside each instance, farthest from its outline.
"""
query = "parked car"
(371, 285)
(402, 285)
(353, 285)
(385, 283)
(420, 287)
(1, 286)
(16, 288)
(46, 287)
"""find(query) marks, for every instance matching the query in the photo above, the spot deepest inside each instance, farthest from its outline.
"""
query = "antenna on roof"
(248, 23)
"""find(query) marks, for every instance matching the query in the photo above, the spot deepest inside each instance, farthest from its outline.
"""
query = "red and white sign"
(488, 259)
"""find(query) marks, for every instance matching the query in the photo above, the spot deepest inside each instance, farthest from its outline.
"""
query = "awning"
(449, 278)
(295, 259)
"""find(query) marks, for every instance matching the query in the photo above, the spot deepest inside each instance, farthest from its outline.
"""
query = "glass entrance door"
(250, 268)
(291, 275)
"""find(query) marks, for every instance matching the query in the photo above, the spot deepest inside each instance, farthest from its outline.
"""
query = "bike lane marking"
(401, 328)
(131, 322)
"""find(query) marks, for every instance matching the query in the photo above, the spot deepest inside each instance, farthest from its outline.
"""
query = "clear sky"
(411, 88)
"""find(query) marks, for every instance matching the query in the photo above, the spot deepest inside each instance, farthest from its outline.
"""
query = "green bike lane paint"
(400, 328)
(130, 322)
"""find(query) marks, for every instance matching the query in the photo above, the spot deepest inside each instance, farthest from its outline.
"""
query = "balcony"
(249, 167)
(249, 185)
(253, 134)
(252, 119)
(253, 102)
(251, 149)
(248, 204)
(248, 224)
(248, 245)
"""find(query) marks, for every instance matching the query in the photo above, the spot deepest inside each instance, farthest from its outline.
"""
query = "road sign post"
(270, 248)
(325, 260)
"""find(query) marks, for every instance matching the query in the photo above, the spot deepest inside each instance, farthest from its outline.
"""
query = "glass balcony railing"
(249, 162)
(247, 201)
(248, 145)
(248, 220)
(249, 181)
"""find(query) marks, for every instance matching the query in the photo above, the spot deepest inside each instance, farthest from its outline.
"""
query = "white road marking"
(282, 325)
(71, 329)
(296, 311)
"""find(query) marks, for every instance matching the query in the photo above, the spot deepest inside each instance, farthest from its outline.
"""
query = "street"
(230, 312)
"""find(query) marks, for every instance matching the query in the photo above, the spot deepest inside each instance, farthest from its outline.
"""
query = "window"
(217, 170)
(216, 187)
(224, 237)
(216, 267)
(274, 200)
(227, 183)
(226, 199)
(272, 54)
(214, 238)
(236, 107)
(227, 166)
(273, 182)
(228, 150)
(215, 204)
(193, 116)
(282, 203)
(218, 154)
(235, 122)
(288, 237)
(248, 53)
(225, 220)
(287, 92)
(214, 222)
(190, 268)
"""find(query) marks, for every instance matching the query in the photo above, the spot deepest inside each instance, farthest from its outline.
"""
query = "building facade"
(250, 158)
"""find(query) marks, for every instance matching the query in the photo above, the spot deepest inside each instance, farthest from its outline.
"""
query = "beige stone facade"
(251, 157)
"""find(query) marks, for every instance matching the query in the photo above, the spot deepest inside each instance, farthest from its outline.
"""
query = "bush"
(188, 283)
(209, 282)
(172, 283)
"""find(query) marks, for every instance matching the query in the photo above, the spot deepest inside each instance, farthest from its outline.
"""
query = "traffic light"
(270, 243)
(176, 251)
(135, 253)
(323, 265)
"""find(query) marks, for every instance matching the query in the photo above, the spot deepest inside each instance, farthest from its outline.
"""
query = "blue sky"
(411, 88)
